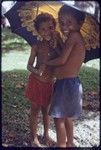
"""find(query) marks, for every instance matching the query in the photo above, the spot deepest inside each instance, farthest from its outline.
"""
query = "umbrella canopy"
(22, 15)
(3, 10)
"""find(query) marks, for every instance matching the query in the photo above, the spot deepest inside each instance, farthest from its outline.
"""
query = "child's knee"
(35, 109)
(44, 110)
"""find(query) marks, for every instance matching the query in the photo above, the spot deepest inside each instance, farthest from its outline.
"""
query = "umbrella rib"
(17, 29)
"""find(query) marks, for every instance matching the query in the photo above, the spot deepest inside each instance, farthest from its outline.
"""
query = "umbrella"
(3, 10)
(22, 14)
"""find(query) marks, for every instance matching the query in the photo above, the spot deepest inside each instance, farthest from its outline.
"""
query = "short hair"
(79, 15)
(43, 17)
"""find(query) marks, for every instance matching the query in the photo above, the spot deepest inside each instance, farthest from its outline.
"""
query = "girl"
(40, 84)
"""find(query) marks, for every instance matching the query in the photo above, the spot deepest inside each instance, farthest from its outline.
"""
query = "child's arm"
(31, 60)
(66, 51)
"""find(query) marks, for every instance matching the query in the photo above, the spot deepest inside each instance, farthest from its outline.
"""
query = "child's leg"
(69, 131)
(60, 131)
(46, 120)
(33, 124)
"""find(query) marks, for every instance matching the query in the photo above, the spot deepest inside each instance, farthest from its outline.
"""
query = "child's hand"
(41, 69)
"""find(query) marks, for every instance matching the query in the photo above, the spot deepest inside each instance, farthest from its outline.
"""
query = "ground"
(86, 132)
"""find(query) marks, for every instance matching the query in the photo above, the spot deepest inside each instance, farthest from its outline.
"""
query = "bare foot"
(48, 141)
(70, 145)
(35, 142)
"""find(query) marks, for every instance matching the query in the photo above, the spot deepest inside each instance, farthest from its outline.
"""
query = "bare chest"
(42, 55)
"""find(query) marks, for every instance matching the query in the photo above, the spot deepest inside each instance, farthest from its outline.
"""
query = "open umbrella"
(22, 14)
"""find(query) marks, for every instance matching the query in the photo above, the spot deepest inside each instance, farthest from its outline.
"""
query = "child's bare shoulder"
(75, 35)
(35, 46)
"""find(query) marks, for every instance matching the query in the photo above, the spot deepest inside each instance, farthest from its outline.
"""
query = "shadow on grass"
(16, 108)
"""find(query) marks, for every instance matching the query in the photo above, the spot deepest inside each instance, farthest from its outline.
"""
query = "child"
(67, 95)
(40, 84)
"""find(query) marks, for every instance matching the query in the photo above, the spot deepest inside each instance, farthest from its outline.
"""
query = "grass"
(11, 86)
(14, 103)
(11, 41)
(90, 79)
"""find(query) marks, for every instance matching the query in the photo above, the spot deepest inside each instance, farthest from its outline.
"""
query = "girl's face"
(67, 23)
(46, 29)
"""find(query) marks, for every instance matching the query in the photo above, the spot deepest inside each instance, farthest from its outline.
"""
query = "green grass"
(11, 91)
(90, 79)
(14, 103)
(11, 41)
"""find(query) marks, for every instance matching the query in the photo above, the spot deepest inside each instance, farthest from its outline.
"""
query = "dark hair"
(43, 17)
(79, 15)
